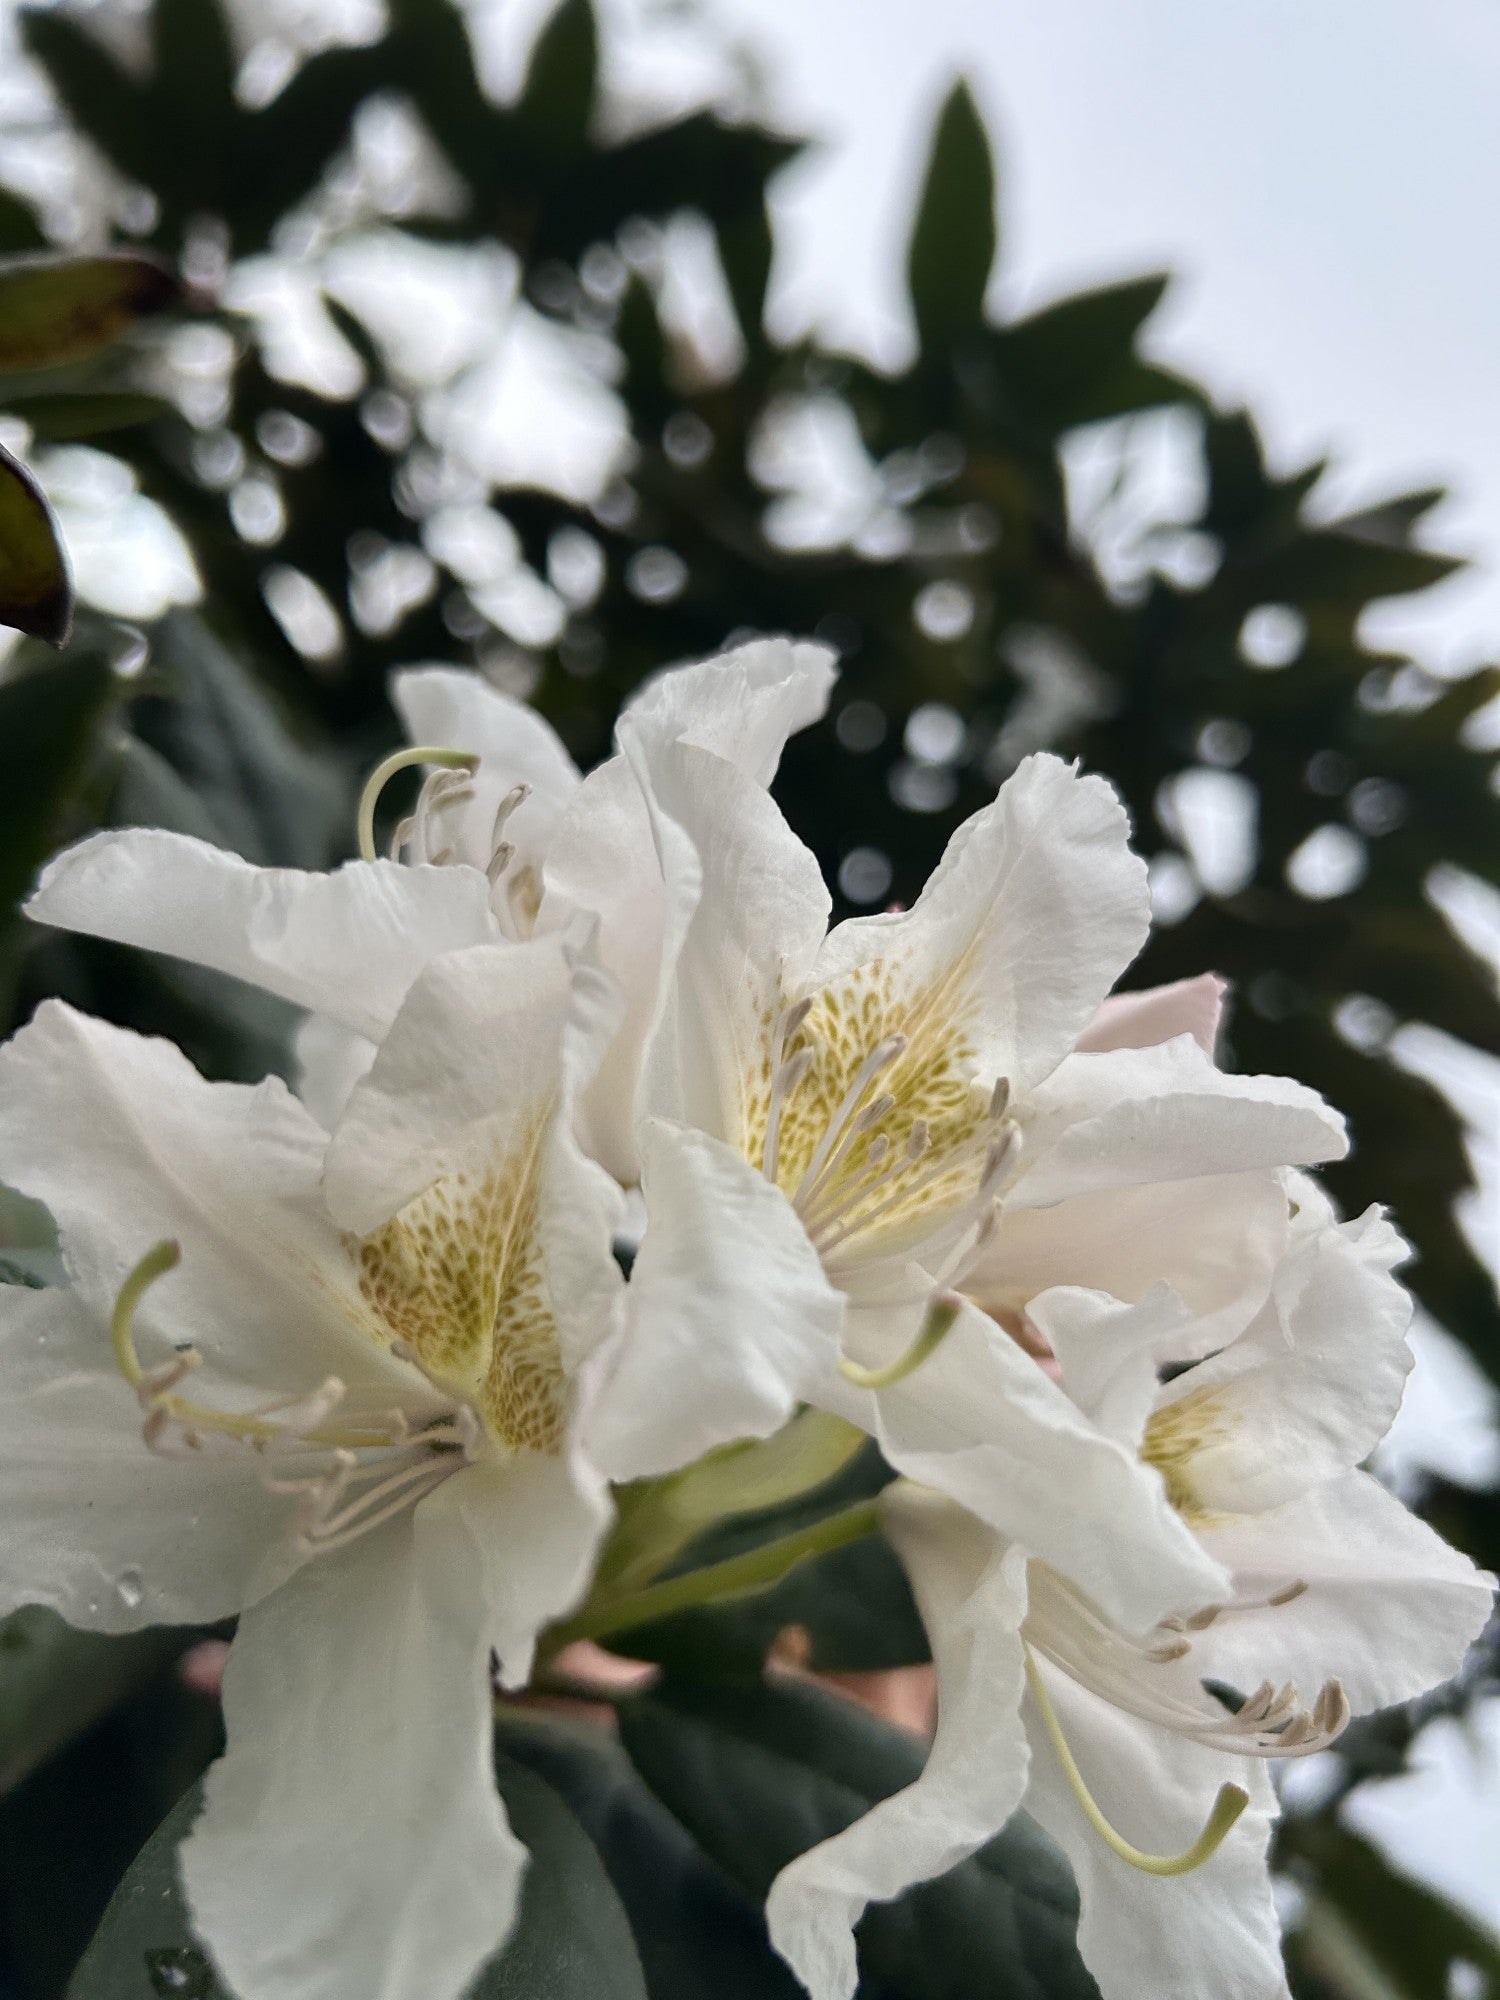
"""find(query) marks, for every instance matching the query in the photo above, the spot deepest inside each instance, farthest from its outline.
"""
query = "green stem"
(757, 1569)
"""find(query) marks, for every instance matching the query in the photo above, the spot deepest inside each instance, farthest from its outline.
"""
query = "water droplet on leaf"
(130, 1589)
(180, 1973)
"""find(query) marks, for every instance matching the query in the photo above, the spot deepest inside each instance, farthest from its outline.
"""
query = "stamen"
(516, 796)
(409, 1463)
(402, 760)
(440, 789)
(880, 1057)
(934, 1330)
(788, 1076)
(1230, 1803)
(808, 1194)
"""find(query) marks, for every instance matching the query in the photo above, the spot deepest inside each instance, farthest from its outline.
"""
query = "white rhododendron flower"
(921, 1174)
(349, 1415)
(508, 840)
(872, 1108)
(1338, 1601)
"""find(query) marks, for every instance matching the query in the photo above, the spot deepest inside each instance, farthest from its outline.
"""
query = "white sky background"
(1321, 173)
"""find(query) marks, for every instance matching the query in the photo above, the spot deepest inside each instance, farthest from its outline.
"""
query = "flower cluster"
(359, 1363)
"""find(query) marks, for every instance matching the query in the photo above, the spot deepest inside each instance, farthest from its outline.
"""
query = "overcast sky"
(1320, 173)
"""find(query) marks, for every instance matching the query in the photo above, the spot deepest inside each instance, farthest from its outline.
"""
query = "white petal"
(128, 1145)
(1159, 1014)
(537, 1521)
(749, 907)
(1164, 1114)
(449, 708)
(471, 1096)
(94, 1523)
(1313, 1383)
(1215, 1241)
(353, 1845)
(602, 864)
(1109, 1352)
(603, 859)
(1389, 1609)
(971, 1591)
(330, 1059)
(475, 1054)
(730, 1322)
(980, 1422)
(347, 944)
(1037, 904)
(743, 705)
(1144, 1937)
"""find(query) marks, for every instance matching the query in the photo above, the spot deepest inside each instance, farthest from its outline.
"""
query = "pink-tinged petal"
(971, 1591)
(1140, 1020)
(346, 944)
(1215, 1241)
(1130, 1116)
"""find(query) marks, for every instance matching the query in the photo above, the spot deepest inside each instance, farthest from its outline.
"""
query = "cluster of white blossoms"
(359, 1365)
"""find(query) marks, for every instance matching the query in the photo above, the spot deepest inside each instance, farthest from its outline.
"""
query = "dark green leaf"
(573, 1940)
(561, 79)
(70, 1831)
(758, 1772)
(61, 419)
(48, 721)
(1075, 362)
(855, 1606)
(954, 236)
(104, 101)
(269, 799)
(55, 1681)
(56, 309)
(144, 1945)
(19, 228)
(695, 1934)
(36, 590)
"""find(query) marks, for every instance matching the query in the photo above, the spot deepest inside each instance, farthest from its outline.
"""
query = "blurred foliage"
(991, 567)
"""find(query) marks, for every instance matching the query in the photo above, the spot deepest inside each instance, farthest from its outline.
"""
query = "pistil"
(1227, 1807)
